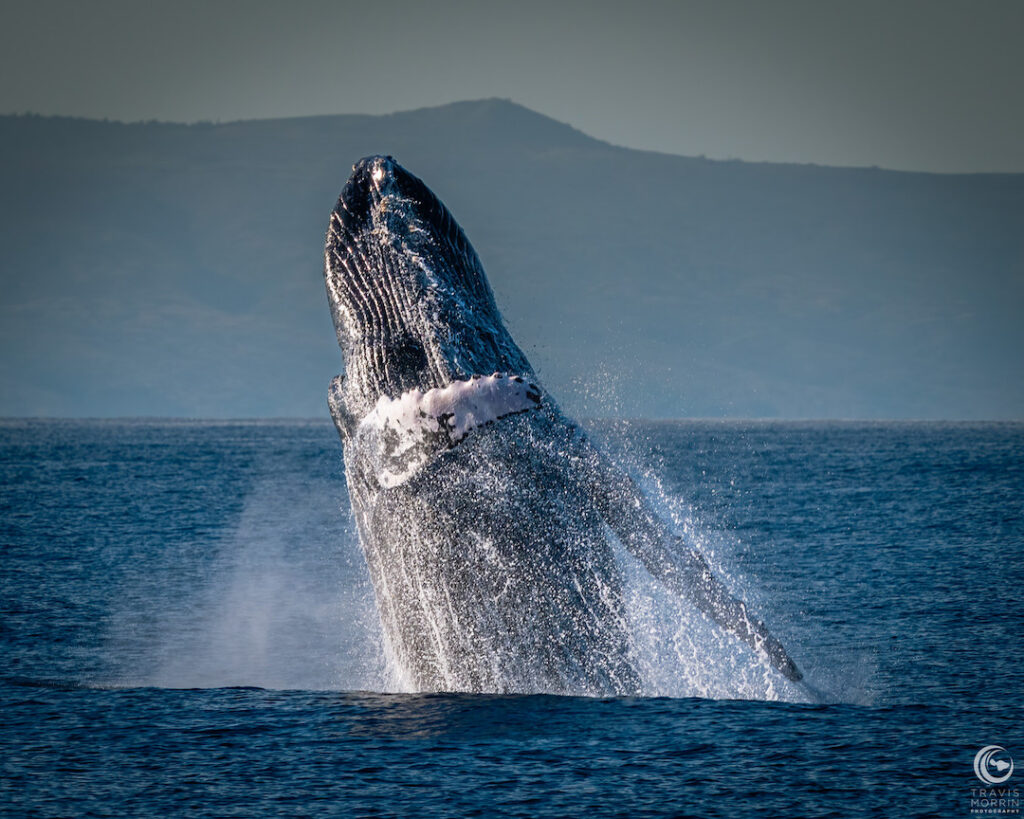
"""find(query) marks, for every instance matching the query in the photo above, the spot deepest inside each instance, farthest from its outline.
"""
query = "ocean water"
(187, 628)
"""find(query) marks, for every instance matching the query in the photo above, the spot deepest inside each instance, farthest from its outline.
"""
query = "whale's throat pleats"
(409, 297)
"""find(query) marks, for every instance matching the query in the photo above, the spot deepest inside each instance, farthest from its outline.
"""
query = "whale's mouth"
(410, 301)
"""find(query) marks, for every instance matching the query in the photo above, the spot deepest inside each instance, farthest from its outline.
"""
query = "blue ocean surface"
(188, 628)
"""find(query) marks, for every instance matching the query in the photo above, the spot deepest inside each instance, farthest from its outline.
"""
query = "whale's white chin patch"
(403, 434)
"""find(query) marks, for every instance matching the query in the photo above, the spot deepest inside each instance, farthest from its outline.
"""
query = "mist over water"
(280, 598)
(280, 606)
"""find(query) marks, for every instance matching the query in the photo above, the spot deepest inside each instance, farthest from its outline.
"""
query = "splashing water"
(285, 601)
(492, 555)
(277, 608)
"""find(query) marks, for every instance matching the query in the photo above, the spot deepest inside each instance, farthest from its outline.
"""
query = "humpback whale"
(488, 518)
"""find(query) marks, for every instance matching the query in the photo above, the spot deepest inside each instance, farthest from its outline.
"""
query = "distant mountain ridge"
(176, 270)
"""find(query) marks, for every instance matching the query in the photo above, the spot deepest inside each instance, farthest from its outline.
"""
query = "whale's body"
(487, 517)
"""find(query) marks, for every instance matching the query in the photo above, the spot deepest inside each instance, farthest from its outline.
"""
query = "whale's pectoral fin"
(343, 421)
(711, 596)
(682, 569)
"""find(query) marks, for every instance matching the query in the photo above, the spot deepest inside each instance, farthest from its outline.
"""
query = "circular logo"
(990, 768)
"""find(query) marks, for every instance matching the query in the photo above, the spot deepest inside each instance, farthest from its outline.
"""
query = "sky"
(930, 86)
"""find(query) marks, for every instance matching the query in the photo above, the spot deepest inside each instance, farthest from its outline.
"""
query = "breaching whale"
(487, 517)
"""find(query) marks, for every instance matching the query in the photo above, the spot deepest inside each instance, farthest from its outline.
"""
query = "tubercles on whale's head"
(410, 301)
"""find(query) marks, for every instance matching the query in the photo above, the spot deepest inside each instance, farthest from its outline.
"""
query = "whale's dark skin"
(488, 533)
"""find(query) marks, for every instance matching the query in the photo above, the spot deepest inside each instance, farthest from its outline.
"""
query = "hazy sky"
(912, 85)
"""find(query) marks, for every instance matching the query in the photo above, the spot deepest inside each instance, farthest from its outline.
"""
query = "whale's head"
(411, 304)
